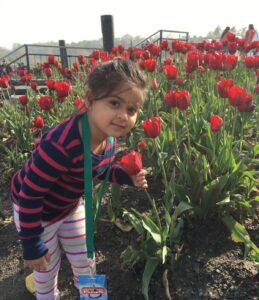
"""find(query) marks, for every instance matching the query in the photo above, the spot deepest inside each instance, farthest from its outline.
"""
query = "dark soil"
(210, 265)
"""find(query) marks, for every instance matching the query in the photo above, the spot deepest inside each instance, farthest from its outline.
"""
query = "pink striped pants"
(70, 234)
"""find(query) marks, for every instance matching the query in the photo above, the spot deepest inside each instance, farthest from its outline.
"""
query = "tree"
(242, 32)
(3, 51)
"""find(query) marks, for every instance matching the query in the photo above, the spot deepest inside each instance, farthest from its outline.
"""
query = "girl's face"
(116, 114)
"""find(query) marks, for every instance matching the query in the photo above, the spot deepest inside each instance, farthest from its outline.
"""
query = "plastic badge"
(93, 287)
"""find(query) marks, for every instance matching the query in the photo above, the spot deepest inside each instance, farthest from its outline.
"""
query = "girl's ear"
(88, 99)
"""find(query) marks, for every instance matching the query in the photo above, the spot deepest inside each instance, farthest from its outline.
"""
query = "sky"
(34, 21)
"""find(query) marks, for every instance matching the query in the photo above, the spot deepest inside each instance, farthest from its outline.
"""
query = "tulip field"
(197, 136)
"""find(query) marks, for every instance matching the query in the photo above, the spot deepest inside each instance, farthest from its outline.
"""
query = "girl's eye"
(132, 111)
(115, 103)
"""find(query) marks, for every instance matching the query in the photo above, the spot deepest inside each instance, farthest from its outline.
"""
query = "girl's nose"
(122, 115)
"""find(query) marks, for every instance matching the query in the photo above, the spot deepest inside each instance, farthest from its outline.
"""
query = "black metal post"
(108, 32)
(63, 53)
(160, 41)
(160, 36)
(27, 57)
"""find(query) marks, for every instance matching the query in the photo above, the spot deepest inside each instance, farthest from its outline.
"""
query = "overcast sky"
(33, 21)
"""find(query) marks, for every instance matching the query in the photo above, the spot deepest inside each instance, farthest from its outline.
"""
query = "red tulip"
(223, 87)
(23, 100)
(104, 55)
(150, 65)
(171, 99)
(131, 163)
(93, 62)
(154, 84)
(215, 123)
(88, 70)
(230, 62)
(257, 89)
(192, 61)
(232, 47)
(152, 127)
(80, 103)
(142, 145)
(4, 82)
(250, 62)
(246, 105)
(154, 49)
(23, 72)
(231, 37)
(180, 81)
(51, 59)
(81, 59)
(51, 84)
(75, 66)
(182, 99)
(48, 72)
(63, 89)
(95, 54)
(38, 122)
(34, 85)
(170, 71)
(26, 78)
(45, 102)
(121, 48)
(236, 95)
(168, 61)
(164, 45)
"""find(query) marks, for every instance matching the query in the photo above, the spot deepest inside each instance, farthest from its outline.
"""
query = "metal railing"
(33, 54)
(160, 35)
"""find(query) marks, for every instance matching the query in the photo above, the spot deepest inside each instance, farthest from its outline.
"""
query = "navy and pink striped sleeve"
(44, 168)
(117, 174)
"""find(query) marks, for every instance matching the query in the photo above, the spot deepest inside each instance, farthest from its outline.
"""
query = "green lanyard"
(90, 221)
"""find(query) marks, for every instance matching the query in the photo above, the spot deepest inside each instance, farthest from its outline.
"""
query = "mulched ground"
(210, 266)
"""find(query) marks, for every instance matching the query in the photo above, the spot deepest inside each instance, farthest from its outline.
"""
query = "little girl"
(47, 190)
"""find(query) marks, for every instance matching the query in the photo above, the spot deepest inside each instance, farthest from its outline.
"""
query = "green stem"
(232, 135)
(153, 205)
(173, 129)
(224, 116)
(155, 103)
(188, 133)
(242, 135)
(162, 166)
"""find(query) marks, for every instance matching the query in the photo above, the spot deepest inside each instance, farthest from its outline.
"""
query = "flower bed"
(197, 134)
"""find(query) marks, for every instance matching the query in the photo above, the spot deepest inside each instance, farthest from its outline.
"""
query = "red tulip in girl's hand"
(132, 165)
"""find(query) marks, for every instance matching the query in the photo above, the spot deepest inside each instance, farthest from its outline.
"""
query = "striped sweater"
(51, 182)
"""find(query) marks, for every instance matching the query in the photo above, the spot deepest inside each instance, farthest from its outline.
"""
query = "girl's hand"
(39, 264)
(139, 180)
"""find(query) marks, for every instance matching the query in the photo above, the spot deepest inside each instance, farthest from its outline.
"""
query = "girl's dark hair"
(107, 77)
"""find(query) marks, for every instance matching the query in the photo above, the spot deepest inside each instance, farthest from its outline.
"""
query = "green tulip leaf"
(136, 222)
(152, 228)
(150, 267)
